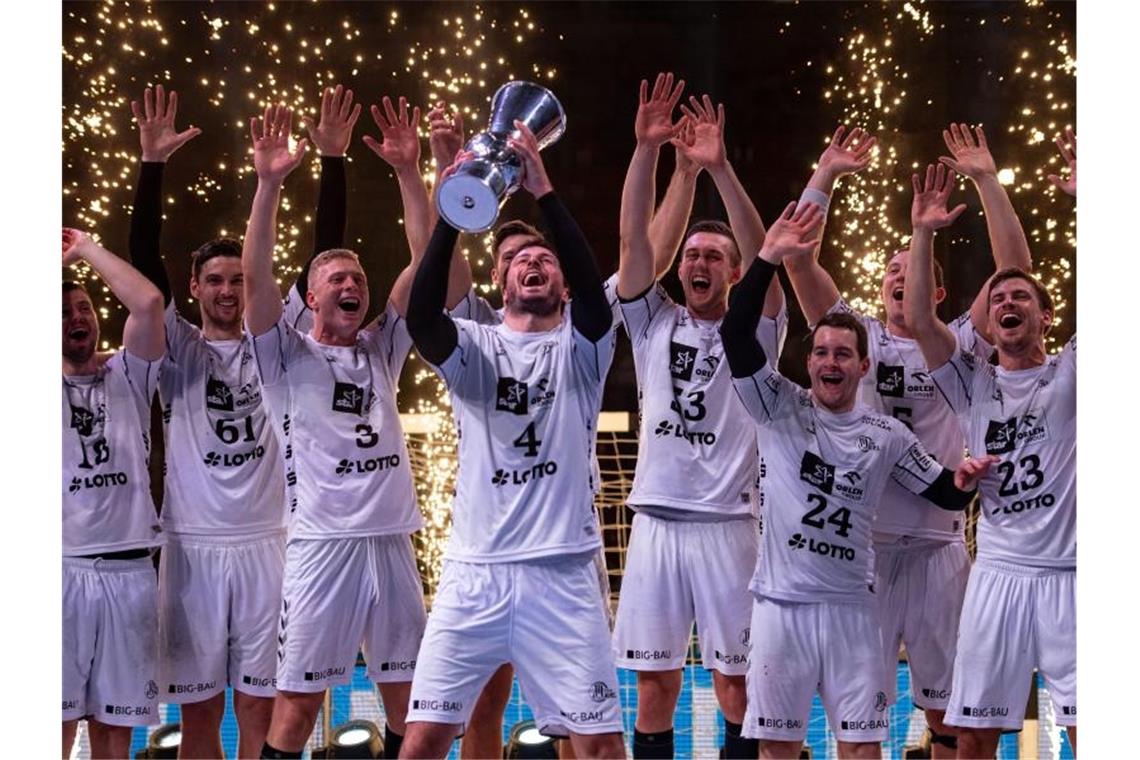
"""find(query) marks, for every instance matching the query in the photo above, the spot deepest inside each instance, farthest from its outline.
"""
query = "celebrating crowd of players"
(289, 500)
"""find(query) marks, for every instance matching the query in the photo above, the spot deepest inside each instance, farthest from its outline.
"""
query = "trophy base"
(467, 203)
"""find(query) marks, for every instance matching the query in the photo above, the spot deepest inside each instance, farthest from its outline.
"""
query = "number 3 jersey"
(821, 477)
(224, 473)
(697, 451)
(526, 407)
(346, 461)
(1028, 418)
(899, 385)
(106, 486)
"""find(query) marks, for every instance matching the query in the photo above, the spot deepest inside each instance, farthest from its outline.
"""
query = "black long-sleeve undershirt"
(943, 493)
(146, 228)
(332, 214)
(433, 331)
(738, 328)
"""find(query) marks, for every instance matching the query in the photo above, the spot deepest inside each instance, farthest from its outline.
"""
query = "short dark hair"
(1044, 300)
(222, 246)
(843, 321)
(517, 227)
(70, 285)
(716, 227)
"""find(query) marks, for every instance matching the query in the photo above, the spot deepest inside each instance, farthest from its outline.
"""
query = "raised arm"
(273, 162)
(445, 141)
(815, 289)
(667, 228)
(400, 149)
(652, 127)
(972, 158)
(143, 334)
(927, 214)
(158, 140)
(1068, 149)
(708, 151)
(331, 136)
(590, 312)
(793, 233)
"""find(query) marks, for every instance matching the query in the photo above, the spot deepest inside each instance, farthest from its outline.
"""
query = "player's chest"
(684, 354)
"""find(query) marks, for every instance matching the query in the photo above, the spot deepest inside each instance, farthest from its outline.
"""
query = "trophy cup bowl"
(470, 199)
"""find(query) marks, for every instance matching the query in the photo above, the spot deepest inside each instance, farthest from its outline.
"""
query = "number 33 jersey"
(821, 477)
(224, 473)
(1028, 418)
(346, 460)
(526, 406)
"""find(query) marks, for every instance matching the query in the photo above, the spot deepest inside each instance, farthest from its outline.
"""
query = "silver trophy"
(470, 199)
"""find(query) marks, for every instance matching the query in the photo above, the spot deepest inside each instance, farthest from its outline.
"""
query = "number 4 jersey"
(821, 477)
(1027, 418)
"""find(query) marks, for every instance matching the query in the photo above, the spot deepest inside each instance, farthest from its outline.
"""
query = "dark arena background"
(787, 73)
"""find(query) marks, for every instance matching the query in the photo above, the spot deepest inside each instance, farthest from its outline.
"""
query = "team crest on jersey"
(512, 396)
(817, 472)
(681, 360)
(1003, 436)
(218, 395)
(348, 398)
(866, 443)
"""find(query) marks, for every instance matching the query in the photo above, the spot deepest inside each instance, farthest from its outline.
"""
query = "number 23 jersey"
(1028, 418)
(821, 477)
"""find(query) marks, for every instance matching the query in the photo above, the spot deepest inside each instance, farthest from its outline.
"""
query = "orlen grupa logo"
(600, 691)
(511, 396)
(681, 360)
(348, 398)
(817, 472)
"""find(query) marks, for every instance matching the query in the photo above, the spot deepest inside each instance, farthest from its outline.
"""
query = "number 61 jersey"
(1028, 418)
(821, 476)
(526, 406)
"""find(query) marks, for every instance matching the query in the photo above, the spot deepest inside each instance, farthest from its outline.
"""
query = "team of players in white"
(290, 424)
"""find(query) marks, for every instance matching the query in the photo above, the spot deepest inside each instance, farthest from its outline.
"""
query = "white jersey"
(821, 477)
(296, 312)
(224, 474)
(526, 407)
(106, 444)
(346, 460)
(1028, 418)
(899, 385)
(697, 453)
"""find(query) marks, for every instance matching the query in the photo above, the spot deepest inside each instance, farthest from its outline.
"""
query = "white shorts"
(1015, 619)
(218, 602)
(677, 571)
(797, 647)
(110, 641)
(343, 595)
(546, 619)
(920, 585)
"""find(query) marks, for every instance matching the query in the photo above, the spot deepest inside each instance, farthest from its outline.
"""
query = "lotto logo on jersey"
(82, 420)
(1003, 436)
(511, 396)
(218, 395)
(348, 398)
(681, 360)
(817, 472)
(105, 480)
(822, 548)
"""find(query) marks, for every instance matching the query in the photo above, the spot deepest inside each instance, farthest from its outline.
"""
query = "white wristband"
(811, 195)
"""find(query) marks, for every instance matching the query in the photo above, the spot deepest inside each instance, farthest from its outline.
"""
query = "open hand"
(795, 232)
(534, 179)
(401, 145)
(333, 133)
(272, 159)
(157, 135)
(1069, 153)
(446, 137)
(928, 209)
(75, 242)
(706, 149)
(972, 156)
(847, 155)
(654, 122)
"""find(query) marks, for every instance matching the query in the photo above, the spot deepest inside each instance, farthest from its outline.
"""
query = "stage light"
(354, 739)
(527, 743)
(162, 744)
